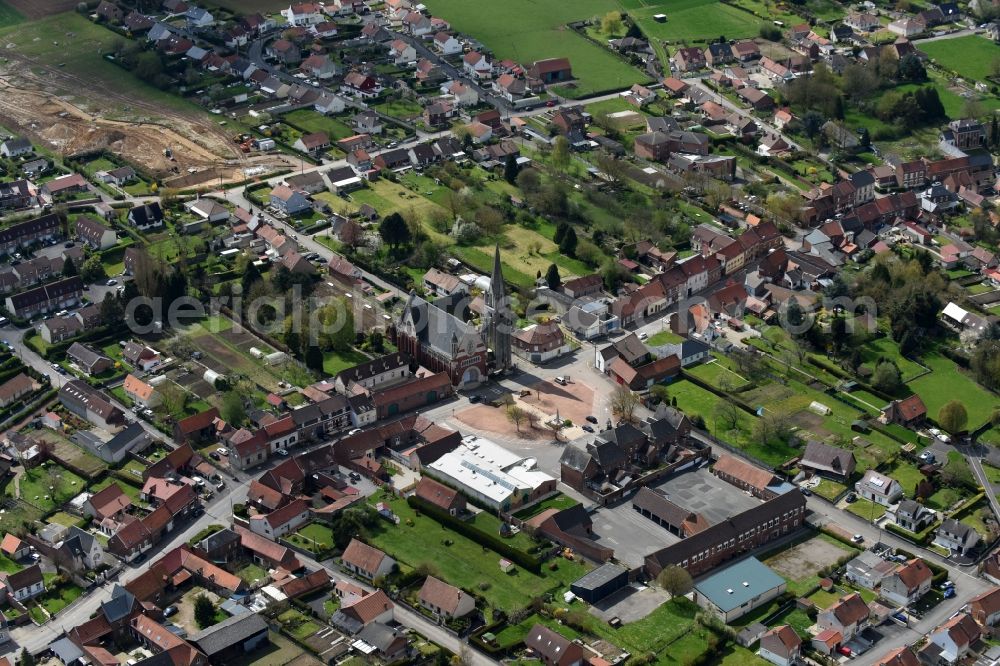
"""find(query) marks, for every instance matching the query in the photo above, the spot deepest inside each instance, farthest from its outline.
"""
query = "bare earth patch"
(36, 9)
(805, 559)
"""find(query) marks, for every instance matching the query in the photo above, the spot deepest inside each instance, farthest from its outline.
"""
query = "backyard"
(971, 56)
(418, 540)
(948, 382)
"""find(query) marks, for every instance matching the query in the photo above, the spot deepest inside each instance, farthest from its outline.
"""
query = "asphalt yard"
(633, 537)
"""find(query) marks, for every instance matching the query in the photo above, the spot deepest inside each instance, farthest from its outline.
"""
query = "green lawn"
(49, 486)
(947, 382)
(9, 16)
(718, 375)
(465, 563)
(8, 565)
(695, 20)
(866, 509)
(54, 600)
(297, 624)
(312, 121)
(664, 337)
(252, 572)
(556, 502)
(908, 476)
(529, 30)
(886, 348)
(971, 56)
(334, 362)
(313, 537)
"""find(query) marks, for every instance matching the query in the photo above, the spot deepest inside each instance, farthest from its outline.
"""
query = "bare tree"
(555, 427)
(623, 403)
(517, 416)
(727, 414)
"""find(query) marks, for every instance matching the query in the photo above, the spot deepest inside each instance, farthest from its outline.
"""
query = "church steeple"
(499, 320)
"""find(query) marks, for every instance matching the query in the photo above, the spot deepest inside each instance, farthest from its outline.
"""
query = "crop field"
(695, 20)
(529, 30)
(971, 56)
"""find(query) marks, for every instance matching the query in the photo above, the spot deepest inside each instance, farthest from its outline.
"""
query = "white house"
(951, 641)
(957, 537)
(288, 200)
(446, 44)
(329, 103)
(24, 584)
(907, 584)
(879, 488)
(781, 646)
(402, 52)
(444, 600)
(281, 521)
(477, 65)
(305, 13)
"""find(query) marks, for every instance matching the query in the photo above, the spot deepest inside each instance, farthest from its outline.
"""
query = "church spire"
(499, 320)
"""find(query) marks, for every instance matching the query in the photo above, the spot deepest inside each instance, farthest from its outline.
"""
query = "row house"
(55, 296)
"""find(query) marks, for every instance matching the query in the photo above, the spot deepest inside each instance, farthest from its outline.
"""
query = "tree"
(675, 580)
(517, 416)
(112, 311)
(314, 358)
(886, 377)
(560, 152)
(92, 269)
(250, 275)
(69, 268)
(204, 611)
(552, 277)
(27, 659)
(838, 334)
(953, 417)
(394, 231)
(727, 414)
(634, 31)
(568, 244)
(611, 24)
(233, 411)
(661, 393)
(173, 398)
(511, 169)
(623, 403)
(911, 68)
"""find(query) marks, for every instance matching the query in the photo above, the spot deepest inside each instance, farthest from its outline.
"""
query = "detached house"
(288, 200)
(314, 143)
(142, 394)
(446, 44)
(913, 516)
(879, 488)
(957, 537)
(984, 608)
(910, 582)
(829, 460)
(477, 65)
(366, 561)
(147, 216)
(444, 600)
(781, 646)
(909, 412)
(553, 649)
(952, 641)
(848, 617)
(24, 584)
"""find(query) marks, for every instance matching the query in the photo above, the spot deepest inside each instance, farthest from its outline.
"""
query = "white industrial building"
(491, 475)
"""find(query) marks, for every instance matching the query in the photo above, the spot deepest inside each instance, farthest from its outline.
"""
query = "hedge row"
(495, 543)
(921, 538)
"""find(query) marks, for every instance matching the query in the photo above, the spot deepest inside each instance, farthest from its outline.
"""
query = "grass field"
(886, 348)
(9, 16)
(948, 382)
(312, 121)
(49, 486)
(694, 20)
(971, 56)
(465, 563)
(529, 30)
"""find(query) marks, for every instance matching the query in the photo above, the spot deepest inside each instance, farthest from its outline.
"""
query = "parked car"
(852, 497)
(214, 455)
(355, 476)
(475, 398)
(592, 419)
(858, 538)
(928, 457)
(112, 282)
(282, 452)
(844, 650)
(222, 451)
(587, 428)
(807, 492)
(949, 593)
(169, 610)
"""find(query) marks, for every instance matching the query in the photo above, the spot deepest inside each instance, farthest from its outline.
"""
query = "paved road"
(952, 35)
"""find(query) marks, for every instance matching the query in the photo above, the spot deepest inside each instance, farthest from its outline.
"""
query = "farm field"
(947, 382)
(695, 20)
(526, 30)
(971, 56)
